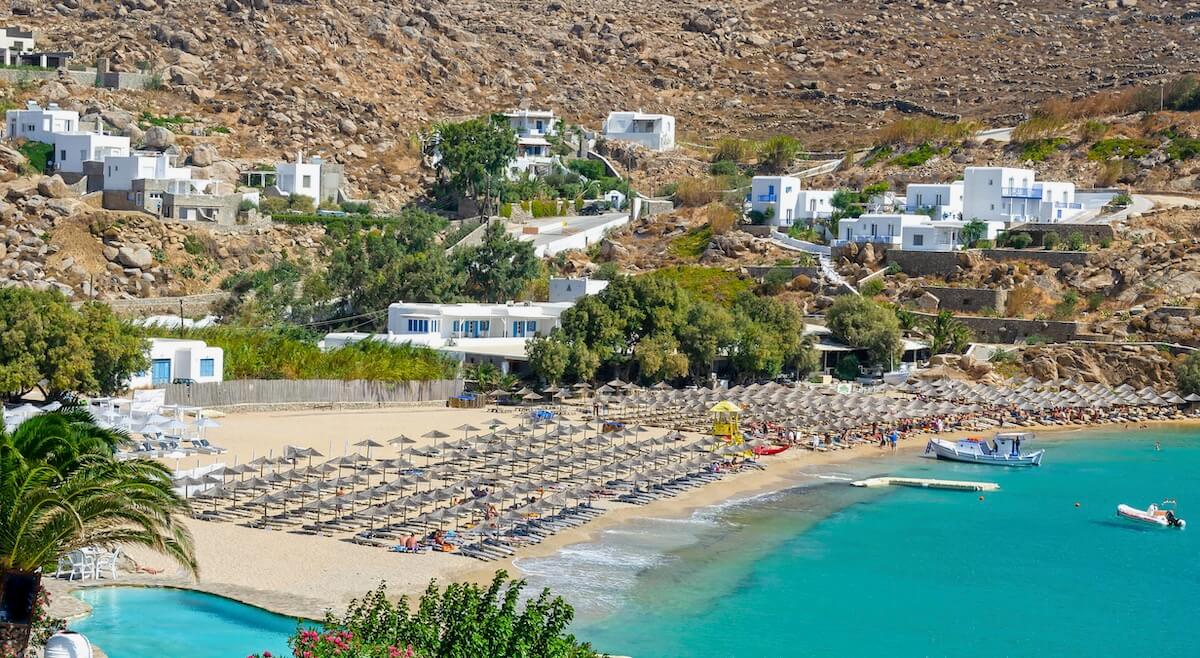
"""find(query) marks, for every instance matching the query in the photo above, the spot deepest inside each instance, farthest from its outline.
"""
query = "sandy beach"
(305, 575)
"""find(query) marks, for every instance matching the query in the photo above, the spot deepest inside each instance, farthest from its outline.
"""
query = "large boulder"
(55, 188)
(181, 77)
(158, 138)
(203, 155)
(139, 257)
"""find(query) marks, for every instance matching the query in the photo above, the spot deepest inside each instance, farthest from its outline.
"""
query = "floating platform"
(926, 483)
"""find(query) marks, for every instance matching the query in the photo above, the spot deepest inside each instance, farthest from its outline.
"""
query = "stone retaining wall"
(1014, 330)
(920, 263)
(1051, 258)
(193, 305)
(969, 300)
(761, 271)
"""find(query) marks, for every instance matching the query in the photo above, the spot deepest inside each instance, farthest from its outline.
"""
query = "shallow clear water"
(152, 622)
(829, 570)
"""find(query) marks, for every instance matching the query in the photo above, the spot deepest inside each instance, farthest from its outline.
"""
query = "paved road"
(554, 233)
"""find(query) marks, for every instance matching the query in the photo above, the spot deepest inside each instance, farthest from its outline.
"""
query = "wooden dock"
(926, 483)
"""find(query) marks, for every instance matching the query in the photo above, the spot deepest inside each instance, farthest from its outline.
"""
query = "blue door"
(160, 372)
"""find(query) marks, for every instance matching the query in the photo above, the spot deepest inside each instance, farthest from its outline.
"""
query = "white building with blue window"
(175, 359)
(477, 333)
(783, 201)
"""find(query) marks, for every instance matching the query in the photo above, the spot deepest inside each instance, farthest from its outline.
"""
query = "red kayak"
(769, 450)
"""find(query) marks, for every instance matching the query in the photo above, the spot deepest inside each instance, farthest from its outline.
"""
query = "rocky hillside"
(356, 78)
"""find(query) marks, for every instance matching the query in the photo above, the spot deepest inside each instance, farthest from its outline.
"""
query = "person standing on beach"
(893, 438)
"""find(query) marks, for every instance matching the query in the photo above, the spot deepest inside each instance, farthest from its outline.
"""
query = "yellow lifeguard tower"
(727, 418)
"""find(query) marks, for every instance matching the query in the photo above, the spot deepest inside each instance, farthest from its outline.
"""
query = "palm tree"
(946, 333)
(61, 489)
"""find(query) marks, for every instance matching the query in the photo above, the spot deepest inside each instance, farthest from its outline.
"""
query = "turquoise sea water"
(151, 622)
(829, 570)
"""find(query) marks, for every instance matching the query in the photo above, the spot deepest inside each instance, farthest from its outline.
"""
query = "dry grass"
(696, 192)
(920, 130)
(733, 149)
(721, 218)
(1024, 300)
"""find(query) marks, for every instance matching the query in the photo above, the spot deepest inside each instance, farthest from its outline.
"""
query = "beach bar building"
(174, 359)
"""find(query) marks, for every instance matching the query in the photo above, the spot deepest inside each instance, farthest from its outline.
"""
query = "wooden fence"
(306, 391)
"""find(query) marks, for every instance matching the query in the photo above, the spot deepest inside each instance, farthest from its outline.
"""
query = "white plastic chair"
(83, 566)
(107, 562)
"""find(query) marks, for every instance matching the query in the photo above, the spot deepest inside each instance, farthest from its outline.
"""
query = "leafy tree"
(866, 324)
(972, 232)
(707, 331)
(1187, 374)
(777, 153)
(403, 261)
(118, 350)
(906, 318)
(474, 155)
(499, 268)
(659, 359)
(548, 358)
(46, 344)
(946, 333)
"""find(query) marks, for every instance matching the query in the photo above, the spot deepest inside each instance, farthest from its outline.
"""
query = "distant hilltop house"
(654, 131)
(783, 201)
(17, 46)
(175, 359)
(478, 333)
(151, 182)
(315, 178)
(73, 147)
(533, 149)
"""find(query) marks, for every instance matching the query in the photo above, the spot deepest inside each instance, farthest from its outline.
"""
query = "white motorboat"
(1003, 450)
(1154, 515)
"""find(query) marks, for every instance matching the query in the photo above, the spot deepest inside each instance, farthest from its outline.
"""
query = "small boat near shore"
(762, 451)
(1003, 450)
(1161, 517)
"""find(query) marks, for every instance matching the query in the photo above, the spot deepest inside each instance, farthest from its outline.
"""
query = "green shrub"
(1065, 309)
(1076, 242)
(1105, 243)
(734, 150)
(1119, 147)
(506, 210)
(544, 208)
(246, 205)
(723, 168)
(1183, 148)
(38, 155)
(877, 155)
(294, 354)
(356, 207)
(193, 245)
(301, 203)
(918, 156)
(1019, 240)
(1092, 131)
(1094, 301)
(873, 288)
(1122, 199)
(1039, 149)
(591, 169)
(984, 244)
(847, 368)
(691, 244)
(1050, 241)
(273, 205)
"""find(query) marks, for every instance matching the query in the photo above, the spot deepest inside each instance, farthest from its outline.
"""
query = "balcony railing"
(1064, 204)
(1021, 192)
(767, 198)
